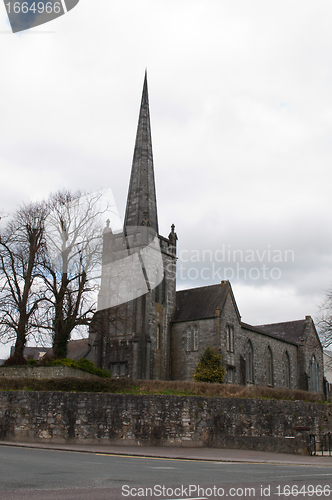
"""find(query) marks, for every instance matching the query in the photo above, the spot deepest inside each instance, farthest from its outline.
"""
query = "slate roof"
(78, 349)
(200, 303)
(259, 329)
(32, 352)
(291, 331)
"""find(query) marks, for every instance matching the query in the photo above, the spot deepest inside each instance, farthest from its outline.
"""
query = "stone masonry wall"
(46, 372)
(212, 332)
(269, 425)
(260, 345)
(183, 361)
(313, 347)
(230, 317)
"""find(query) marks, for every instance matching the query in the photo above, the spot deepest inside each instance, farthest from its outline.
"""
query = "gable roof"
(79, 348)
(32, 352)
(200, 303)
(266, 332)
(291, 331)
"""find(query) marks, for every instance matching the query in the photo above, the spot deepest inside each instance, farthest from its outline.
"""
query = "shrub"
(210, 368)
(15, 361)
(83, 364)
(32, 362)
(62, 362)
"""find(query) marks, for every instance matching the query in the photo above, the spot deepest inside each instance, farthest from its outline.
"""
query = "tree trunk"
(60, 342)
(60, 336)
(20, 339)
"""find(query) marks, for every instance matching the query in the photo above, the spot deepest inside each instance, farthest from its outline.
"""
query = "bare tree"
(21, 250)
(74, 244)
(324, 322)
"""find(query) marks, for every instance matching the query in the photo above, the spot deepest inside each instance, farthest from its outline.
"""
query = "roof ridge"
(282, 322)
(205, 286)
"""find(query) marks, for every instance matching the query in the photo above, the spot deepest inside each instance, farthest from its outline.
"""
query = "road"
(51, 475)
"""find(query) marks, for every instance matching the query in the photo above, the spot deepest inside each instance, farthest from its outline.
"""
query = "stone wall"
(185, 361)
(124, 337)
(268, 425)
(46, 372)
(212, 332)
(261, 343)
(312, 347)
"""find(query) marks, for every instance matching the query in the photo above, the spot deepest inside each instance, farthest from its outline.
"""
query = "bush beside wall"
(43, 372)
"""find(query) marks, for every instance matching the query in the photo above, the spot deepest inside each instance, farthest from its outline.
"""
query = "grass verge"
(155, 387)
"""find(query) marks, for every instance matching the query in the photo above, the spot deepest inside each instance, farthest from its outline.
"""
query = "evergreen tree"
(210, 368)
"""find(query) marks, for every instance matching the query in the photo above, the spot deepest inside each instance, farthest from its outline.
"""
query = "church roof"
(200, 303)
(79, 348)
(141, 202)
(291, 331)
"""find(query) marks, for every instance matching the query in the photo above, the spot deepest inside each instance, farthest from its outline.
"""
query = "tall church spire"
(141, 202)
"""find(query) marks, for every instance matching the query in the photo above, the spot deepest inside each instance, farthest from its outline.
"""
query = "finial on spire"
(107, 227)
(173, 236)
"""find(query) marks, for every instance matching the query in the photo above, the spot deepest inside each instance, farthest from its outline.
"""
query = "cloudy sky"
(241, 112)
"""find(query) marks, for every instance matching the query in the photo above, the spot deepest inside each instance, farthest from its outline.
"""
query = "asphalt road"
(51, 475)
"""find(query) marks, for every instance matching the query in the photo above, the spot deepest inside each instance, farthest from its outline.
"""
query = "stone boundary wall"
(43, 372)
(119, 419)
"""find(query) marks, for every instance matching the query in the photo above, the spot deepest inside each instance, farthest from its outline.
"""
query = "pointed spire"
(141, 201)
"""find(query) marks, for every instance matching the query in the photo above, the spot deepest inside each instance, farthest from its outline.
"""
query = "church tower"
(131, 330)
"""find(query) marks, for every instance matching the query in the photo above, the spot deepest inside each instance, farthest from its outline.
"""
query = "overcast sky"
(241, 115)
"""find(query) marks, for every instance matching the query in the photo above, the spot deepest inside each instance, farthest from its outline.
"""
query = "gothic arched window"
(189, 343)
(192, 338)
(195, 338)
(286, 370)
(158, 337)
(230, 338)
(250, 362)
(269, 366)
(314, 375)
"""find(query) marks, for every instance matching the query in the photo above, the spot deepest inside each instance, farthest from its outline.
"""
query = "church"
(145, 329)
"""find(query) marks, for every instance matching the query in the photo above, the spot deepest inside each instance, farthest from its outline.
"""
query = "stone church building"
(146, 329)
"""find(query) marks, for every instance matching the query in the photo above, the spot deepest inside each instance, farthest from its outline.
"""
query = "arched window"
(230, 338)
(269, 366)
(314, 375)
(250, 362)
(195, 338)
(286, 370)
(192, 338)
(189, 338)
(158, 337)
